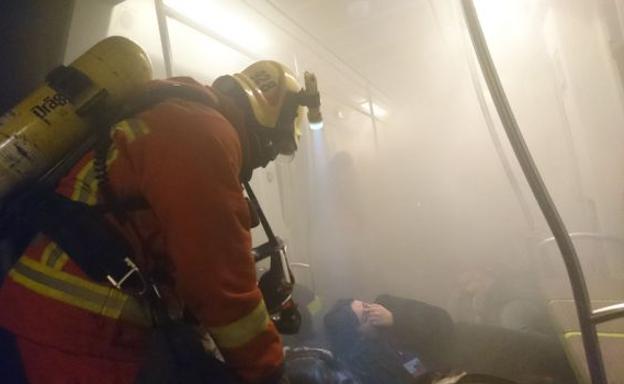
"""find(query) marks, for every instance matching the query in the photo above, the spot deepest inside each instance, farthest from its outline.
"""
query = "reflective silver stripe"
(72, 289)
(55, 254)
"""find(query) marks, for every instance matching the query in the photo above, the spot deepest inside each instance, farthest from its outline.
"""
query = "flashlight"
(309, 96)
(314, 104)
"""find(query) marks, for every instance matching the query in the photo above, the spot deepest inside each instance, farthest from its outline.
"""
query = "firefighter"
(184, 158)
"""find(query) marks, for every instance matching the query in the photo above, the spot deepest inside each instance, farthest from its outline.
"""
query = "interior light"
(505, 19)
(316, 126)
(378, 111)
(223, 20)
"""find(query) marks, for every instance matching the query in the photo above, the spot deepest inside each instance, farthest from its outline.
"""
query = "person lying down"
(400, 341)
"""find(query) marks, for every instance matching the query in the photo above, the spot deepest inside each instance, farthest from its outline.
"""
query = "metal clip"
(133, 269)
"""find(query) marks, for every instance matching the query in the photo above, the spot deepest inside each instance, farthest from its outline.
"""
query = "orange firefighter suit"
(184, 158)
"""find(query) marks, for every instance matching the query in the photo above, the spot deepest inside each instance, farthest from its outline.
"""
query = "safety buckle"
(134, 269)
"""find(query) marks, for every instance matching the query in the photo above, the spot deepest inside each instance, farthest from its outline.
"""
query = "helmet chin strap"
(262, 150)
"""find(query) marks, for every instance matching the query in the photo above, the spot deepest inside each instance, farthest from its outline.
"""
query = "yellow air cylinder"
(37, 133)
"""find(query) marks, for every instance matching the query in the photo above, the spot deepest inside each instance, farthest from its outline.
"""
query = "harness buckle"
(133, 269)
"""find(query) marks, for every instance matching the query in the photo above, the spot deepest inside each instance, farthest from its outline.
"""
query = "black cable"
(263, 220)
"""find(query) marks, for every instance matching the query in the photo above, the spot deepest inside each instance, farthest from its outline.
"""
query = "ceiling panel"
(376, 37)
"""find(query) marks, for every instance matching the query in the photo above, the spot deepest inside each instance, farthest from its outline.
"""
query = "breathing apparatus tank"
(60, 115)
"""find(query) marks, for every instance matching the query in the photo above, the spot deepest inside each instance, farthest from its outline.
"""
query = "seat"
(605, 280)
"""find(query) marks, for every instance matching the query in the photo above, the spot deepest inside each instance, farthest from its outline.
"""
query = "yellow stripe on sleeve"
(243, 330)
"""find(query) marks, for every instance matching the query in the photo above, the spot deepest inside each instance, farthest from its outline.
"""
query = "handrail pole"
(549, 210)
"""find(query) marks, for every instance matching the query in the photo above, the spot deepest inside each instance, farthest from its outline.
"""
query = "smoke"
(410, 204)
(426, 200)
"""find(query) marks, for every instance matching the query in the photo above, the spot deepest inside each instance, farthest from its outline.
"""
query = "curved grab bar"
(589, 333)
(301, 265)
(609, 313)
(585, 235)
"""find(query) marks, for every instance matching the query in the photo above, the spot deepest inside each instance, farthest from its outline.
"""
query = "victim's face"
(360, 308)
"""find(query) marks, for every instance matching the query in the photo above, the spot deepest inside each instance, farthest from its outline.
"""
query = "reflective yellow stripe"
(131, 129)
(81, 187)
(86, 185)
(138, 127)
(242, 330)
(58, 259)
(315, 305)
(112, 155)
(68, 288)
(61, 261)
(124, 128)
(91, 198)
(88, 194)
(45, 255)
(53, 256)
(75, 291)
(608, 335)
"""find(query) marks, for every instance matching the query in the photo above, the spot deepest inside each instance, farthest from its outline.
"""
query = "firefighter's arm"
(188, 171)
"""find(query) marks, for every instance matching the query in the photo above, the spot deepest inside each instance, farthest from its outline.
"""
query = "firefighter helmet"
(276, 99)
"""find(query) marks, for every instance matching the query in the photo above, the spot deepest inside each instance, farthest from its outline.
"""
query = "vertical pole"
(549, 210)
(164, 36)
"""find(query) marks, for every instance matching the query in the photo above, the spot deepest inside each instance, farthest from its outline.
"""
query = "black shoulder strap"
(78, 229)
(163, 92)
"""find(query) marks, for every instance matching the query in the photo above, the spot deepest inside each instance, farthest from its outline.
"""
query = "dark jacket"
(415, 344)
(429, 332)
(421, 328)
